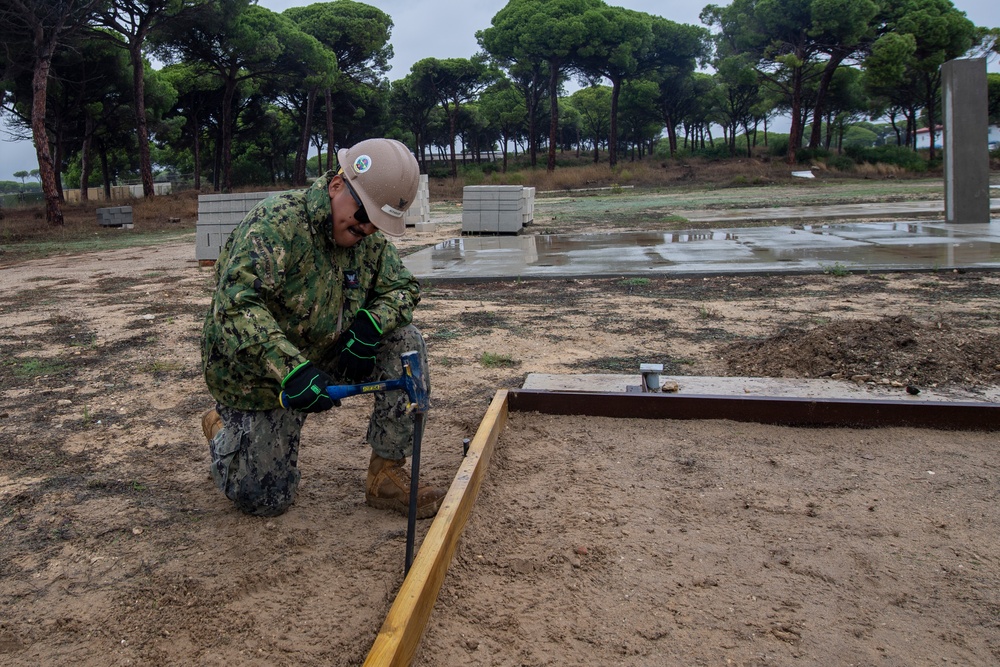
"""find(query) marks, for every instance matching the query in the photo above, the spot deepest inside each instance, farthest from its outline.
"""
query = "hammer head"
(414, 381)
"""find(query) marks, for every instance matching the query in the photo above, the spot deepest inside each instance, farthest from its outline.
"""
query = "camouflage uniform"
(285, 292)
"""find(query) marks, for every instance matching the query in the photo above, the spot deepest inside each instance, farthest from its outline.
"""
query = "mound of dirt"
(894, 348)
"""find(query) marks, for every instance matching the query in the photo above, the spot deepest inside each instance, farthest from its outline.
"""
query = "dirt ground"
(720, 543)
(116, 549)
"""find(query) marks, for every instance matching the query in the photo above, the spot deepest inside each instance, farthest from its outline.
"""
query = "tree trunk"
(553, 113)
(85, 163)
(616, 91)
(227, 132)
(824, 85)
(105, 172)
(141, 129)
(795, 132)
(452, 124)
(46, 170)
(196, 152)
(931, 112)
(302, 154)
(329, 129)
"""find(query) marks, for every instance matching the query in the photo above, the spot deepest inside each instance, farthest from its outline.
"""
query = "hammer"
(415, 386)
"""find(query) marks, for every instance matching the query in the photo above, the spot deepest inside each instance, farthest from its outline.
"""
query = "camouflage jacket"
(285, 292)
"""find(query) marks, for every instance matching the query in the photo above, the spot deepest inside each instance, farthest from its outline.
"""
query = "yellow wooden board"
(403, 627)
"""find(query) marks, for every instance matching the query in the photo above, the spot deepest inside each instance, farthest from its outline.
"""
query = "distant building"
(924, 138)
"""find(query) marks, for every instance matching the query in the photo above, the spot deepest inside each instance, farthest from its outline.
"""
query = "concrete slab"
(755, 386)
(803, 248)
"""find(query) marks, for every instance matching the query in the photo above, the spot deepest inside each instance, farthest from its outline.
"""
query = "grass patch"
(635, 282)
(33, 367)
(160, 366)
(445, 334)
(838, 270)
(706, 313)
(491, 360)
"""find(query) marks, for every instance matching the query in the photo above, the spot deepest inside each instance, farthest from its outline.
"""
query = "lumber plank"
(399, 637)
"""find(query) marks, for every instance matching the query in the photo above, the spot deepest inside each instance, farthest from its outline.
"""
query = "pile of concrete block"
(496, 209)
(218, 216)
(528, 210)
(420, 209)
(115, 216)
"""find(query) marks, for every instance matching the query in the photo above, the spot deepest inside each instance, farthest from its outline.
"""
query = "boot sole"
(425, 512)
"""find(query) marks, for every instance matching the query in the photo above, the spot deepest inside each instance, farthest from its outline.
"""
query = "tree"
(619, 46)
(993, 92)
(36, 29)
(358, 35)
(940, 33)
(891, 83)
(843, 30)
(412, 106)
(786, 39)
(238, 43)
(641, 122)
(503, 108)
(846, 104)
(91, 108)
(553, 31)
(594, 105)
(736, 95)
(131, 21)
(22, 175)
(453, 82)
(627, 45)
(199, 93)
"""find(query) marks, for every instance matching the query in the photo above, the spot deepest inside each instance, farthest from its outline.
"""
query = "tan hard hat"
(386, 176)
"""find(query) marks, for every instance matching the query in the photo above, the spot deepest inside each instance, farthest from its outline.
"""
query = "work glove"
(304, 389)
(357, 348)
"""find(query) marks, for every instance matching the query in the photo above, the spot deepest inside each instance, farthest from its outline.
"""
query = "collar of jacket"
(318, 205)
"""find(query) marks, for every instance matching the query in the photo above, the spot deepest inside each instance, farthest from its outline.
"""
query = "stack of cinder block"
(528, 209)
(115, 216)
(496, 209)
(218, 216)
(420, 210)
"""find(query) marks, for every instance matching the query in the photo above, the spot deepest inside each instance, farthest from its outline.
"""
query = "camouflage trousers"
(255, 454)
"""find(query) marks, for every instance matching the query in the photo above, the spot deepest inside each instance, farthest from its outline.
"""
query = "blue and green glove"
(357, 348)
(304, 389)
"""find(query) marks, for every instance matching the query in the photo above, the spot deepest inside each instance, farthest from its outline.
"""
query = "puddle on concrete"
(884, 246)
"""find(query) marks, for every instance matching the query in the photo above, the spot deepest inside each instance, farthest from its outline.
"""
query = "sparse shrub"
(840, 163)
(811, 154)
(778, 146)
(900, 156)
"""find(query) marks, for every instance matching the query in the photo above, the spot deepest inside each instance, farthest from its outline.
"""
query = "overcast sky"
(447, 29)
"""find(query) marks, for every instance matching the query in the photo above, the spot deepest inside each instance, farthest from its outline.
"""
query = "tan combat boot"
(211, 423)
(388, 488)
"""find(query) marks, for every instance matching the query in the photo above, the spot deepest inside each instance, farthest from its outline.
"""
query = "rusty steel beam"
(965, 415)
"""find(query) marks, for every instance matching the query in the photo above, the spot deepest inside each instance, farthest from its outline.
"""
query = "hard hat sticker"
(362, 164)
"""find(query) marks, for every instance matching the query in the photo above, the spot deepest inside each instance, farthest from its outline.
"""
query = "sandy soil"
(116, 549)
(602, 541)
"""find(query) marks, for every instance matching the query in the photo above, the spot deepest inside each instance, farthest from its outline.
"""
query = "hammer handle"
(339, 391)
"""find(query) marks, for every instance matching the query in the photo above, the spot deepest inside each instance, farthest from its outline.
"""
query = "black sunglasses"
(361, 215)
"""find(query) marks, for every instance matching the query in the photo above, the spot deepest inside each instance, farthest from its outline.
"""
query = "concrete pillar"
(966, 158)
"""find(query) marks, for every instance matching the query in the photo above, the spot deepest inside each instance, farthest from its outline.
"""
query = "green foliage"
(840, 163)
(811, 154)
(36, 367)
(634, 282)
(778, 145)
(993, 96)
(900, 156)
(492, 360)
(838, 270)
